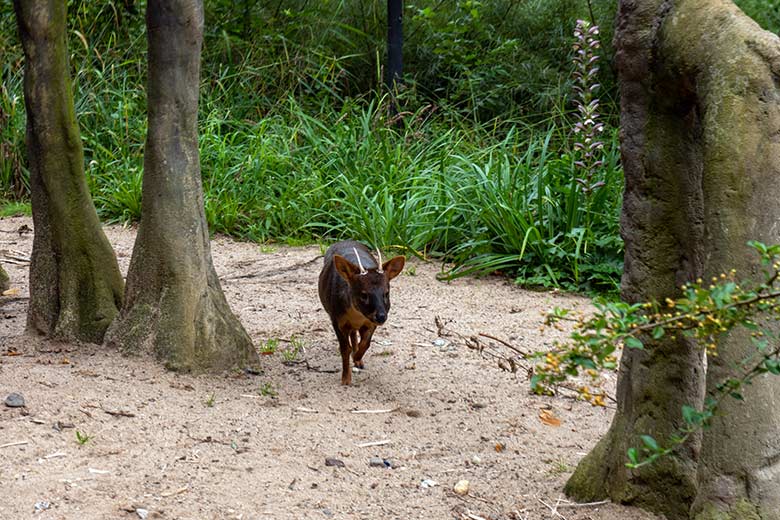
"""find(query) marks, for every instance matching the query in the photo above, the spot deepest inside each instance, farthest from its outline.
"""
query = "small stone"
(440, 342)
(41, 505)
(414, 413)
(335, 463)
(428, 483)
(327, 512)
(462, 487)
(376, 462)
(142, 513)
(14, 400)
(476, 460)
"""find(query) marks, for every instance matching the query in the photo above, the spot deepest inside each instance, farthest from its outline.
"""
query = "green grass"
(296, 146)
(14, 208)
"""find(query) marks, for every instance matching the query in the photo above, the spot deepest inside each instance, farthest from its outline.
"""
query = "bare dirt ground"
(255, 446)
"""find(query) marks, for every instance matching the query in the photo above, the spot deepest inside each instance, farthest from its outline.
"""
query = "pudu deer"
(355, 290)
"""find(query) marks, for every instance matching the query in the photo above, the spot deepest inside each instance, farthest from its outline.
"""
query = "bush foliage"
(296, 143)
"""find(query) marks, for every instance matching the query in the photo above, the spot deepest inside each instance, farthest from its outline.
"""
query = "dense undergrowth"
(297, 144)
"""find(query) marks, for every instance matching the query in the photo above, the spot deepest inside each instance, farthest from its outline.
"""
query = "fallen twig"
(272, 273)
(119, 413)
(373, 443)
(387, 410)
(506, 344)
(177, 492)
(55, 455)
(566, 503)
(553, 510)
(17, 443)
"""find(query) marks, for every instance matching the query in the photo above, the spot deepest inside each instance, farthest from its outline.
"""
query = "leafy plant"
(267, 390)
(82, 438)
(270, 346)
(704, 312)
(294, 351)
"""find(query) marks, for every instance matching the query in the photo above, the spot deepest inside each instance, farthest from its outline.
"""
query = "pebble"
(376, 462)
(414, 413)
(14, 400)
(41, 505)
(476, 460)
(335, 462)
(428, 483)
(462, 487)
(440, 342)
(142, 513)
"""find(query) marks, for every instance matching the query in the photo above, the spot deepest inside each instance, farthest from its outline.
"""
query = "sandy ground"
(255, 446)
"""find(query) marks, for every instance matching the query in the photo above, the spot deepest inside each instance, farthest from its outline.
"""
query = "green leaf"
(633, 455)
(690, 414)
(773, 366)
(651, 444)
(632, 342)
(658, 332)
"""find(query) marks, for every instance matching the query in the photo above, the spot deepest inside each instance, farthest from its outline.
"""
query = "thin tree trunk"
(75, 284)
(394, 44)
(175, 306)
(699, 120)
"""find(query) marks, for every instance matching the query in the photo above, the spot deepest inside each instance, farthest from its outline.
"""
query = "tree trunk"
(733, 67)
(662, 228)
(175, 306)
(5, 281)
(395, 67)
(75, 284)
(699, 126)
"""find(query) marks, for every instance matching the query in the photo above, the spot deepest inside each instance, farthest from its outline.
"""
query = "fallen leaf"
(13, 291)
(499, 447)
(547, 417)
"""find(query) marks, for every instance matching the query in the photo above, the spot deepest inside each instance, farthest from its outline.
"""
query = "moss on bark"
(700, 107)
(5, 280)
(175, 306)
(75, 283)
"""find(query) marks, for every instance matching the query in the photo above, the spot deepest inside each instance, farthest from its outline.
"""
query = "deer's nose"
(381, 317)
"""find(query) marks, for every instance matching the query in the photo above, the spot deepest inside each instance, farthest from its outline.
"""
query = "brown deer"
(355, 290)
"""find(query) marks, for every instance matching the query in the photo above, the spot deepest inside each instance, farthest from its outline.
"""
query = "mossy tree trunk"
(699, 125)
(75, 284)
(734, 73)
(175, 306)
(5, 281)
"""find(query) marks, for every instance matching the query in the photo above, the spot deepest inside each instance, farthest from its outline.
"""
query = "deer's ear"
(345, 268)
(393, 267)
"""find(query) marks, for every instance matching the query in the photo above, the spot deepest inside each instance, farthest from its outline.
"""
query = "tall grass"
(296, 147)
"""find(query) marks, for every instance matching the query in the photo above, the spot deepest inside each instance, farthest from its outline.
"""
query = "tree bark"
(734, 66)
(395, 39)
(75, 283)
(5, 281)
(699, 126)
(662, 226)
(175, 306)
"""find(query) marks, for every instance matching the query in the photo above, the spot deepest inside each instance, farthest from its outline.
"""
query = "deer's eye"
(364, 299)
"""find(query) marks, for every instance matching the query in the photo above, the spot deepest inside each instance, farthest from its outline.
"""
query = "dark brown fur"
(356, 303)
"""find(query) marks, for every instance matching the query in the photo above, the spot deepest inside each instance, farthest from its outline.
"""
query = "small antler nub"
(360, 264)
(379, 254)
